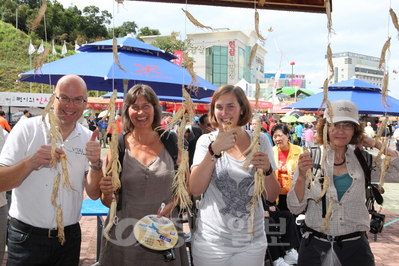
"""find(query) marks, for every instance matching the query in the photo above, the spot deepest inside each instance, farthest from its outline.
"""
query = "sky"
(361, 26)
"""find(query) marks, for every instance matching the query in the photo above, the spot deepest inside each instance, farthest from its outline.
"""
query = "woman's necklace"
(339, 164)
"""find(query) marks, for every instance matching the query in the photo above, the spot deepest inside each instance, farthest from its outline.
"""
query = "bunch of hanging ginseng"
(259, 179)
(113, 168)
(179, 185)
(56, 141)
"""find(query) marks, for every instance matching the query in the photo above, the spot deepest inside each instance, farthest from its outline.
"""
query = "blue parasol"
(98, 69)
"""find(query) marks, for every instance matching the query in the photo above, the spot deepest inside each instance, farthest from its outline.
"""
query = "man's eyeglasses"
(344, 126)
(66, 99)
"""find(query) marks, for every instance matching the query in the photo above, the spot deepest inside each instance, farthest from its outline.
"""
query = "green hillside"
(14, 59)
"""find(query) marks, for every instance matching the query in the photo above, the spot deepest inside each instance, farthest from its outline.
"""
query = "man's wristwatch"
(98, 166)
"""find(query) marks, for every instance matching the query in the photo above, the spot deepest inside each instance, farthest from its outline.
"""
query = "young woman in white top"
(223, 235)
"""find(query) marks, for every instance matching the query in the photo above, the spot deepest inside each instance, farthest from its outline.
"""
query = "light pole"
(292, 76)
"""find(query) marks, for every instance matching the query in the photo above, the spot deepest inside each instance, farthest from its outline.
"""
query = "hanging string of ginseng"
(195, 21)
(327, 4)
(113, 167)
(54, 134)
(36, 22)
(257, 30)
(62, 175)
(259, 179)
(384, 89)
(325, 179)
(394, 20)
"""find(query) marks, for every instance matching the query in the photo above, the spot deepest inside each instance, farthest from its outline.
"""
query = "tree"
(31, 3)
(146, 31)
(95, 25)
(171, 43)
(128, 27)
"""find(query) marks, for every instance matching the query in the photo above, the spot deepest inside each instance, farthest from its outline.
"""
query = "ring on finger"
(234, 136)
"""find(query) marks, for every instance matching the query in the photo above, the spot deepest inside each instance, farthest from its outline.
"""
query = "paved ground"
(385, 249)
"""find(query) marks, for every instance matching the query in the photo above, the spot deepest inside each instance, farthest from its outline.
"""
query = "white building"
(348, 65)
(221, 56)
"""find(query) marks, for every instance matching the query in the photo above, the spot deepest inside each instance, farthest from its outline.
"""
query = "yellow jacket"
(291, 163)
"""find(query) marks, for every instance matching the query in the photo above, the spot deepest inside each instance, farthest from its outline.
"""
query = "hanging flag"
(179, 55)
(31, 49)
(54, 51)
(77, 47)
(40, 49)
(64, 49)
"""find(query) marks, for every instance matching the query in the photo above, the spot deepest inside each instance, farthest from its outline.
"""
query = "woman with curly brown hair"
(338, 221)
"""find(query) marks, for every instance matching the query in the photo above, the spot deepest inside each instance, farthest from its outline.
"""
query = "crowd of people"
(230, 228)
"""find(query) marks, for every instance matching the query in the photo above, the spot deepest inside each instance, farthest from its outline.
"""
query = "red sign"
(103, 106)
(232, 48)
(278, 108)
(179, 60)
(261, 104)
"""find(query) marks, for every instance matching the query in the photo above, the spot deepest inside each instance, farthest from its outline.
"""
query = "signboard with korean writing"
(231, 58)
(24, 99)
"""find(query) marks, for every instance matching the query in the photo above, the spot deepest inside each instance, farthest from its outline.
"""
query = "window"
(217, 65)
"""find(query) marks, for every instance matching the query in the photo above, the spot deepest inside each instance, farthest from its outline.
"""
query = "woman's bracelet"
(269, 172)
(214, 156)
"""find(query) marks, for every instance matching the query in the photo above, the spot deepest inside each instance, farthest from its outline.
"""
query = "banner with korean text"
(24, 99)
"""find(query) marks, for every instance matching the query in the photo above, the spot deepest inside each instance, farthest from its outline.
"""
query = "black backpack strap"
(363, 158)
(121, 149)
(365, 166)
(169, 140)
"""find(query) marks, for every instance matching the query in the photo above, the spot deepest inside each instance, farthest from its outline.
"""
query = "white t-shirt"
(396, 135)
(3, 137)
(31, 201)
(224, 212)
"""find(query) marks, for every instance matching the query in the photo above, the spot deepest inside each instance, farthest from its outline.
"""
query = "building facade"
(348, 65)
(286, 80)
(221, 56)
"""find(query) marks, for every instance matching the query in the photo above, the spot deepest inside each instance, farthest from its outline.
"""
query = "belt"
(338, 239)
(37, 230)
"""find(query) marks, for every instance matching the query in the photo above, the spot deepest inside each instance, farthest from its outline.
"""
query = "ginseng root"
(112, 214)
(326, 183)
(326, 225)
(179, 185)
(66, 182)
(60, 226)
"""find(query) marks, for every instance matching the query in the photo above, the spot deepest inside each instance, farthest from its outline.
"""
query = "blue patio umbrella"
(119, 95)
(126, 44)
(98, 69)
(354, 84)
(368, 102)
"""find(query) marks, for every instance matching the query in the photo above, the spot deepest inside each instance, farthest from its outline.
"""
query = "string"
(185, 38)
(45, 39)
(113, 34)
(388, 55)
